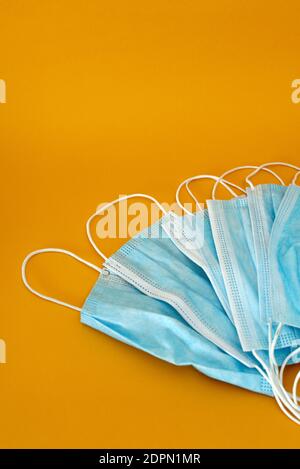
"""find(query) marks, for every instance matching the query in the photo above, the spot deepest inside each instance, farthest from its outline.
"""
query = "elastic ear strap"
(296, 178)
(56, 250)
(265, 165)
(295, 386)
(224, 183)
(274, 367)
(288, 408)
(297, 379)
(291, 355)
(192, 195)
(272, 345)
(107, 206)
(238, 168)
(186, 183)
(286, 362)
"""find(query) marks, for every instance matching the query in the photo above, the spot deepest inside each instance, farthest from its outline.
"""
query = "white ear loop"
(222, 181)
(186, 182)
(265, 165)
(61, 251)
(282, 370)
(296, 399)
(281, 400)
(294, 181)
(280, 374)
(238, 168)
(110, 204)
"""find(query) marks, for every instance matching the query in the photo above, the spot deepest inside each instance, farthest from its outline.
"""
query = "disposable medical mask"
(284, 259)
(271, 215)
(153, 264)
(284, 255)
(192, 235)
(281, 275)
(216, 273)
(119, 310)
(263, 202)
(278, 250)
(232, 232)
(208, 238)
(270, 365)
(205, 255)
(183, 307)
(201, 249)
(266, 201)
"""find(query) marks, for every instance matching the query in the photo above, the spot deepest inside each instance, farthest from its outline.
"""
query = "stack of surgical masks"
(217, 289)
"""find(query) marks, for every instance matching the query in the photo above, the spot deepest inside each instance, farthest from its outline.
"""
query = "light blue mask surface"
(119, 310)
(192, 235)
(284, 252)
(232, 232)
(264, 202)
(155, 266)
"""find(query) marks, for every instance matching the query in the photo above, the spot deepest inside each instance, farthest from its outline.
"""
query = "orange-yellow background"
(107, 98)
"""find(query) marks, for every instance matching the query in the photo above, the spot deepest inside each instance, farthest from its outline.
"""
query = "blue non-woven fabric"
(119, 310)
(153, 264)
(284, 258)
(233, 235)
(264, 201)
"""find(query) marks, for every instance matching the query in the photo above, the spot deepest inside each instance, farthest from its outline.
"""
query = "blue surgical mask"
(192, 299)
(262, 219)
(275, 213)
(198, 243)
(268, 209)
(201, 250)
(119, 310)
(284, 258)
(264, 201)
(192, 235)
(232, 231)
(153, 264)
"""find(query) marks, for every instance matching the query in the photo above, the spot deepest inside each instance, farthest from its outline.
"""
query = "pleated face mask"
(170, 281)
(192, 235)
(284, 258)
(233, 234)
(152, 263)
(122, 312)
(126, 314)
(284, 255)
(202, 249)
(264, 201)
